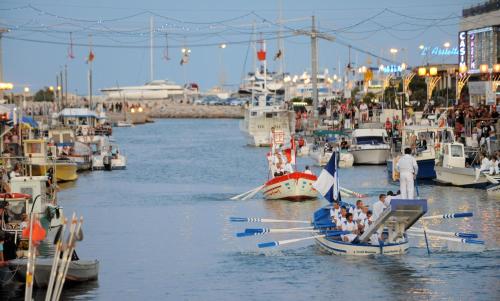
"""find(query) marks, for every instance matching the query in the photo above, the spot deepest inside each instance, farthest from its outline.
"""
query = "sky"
(43, 34)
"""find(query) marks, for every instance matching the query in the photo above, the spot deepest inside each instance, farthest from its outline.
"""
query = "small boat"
(109, 158)
(36, 151)
(296, 186)
(370, 146)
(78, 271)
(426, 142)
(451, 168)
(322, 156)
(397, 218)
(123, 124)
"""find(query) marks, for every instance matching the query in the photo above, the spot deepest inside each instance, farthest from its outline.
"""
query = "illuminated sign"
(485, 29)
(462, 48)
(392, 69)
(472, 63)
(439, 51)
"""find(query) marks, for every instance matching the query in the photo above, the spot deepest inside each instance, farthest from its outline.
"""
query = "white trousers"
(406, 185)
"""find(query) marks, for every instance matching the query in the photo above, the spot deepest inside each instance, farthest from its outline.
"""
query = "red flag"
(91, 57)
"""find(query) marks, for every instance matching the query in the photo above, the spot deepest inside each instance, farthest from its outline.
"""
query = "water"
(160, 229)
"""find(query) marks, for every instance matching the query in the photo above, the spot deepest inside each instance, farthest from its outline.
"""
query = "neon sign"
(462, 48)
(438, 51)
(472, 51)
(392, 69)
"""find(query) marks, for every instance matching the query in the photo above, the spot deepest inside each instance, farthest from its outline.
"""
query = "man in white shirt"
(335, 211)
(349, 225)
(357, 211)
(379, 206)
(408, 170)
(388, 198)
(341, 218)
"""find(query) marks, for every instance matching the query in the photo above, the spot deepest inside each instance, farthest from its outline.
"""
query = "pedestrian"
(408, 170)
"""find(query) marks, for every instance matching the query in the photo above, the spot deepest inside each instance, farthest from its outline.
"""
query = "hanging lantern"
(261, 55)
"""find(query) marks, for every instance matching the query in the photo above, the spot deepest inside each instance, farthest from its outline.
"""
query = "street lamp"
(421, 47)
(447, 45)
(222, 46)
(26, 90)
(483, 68)
(393, 50)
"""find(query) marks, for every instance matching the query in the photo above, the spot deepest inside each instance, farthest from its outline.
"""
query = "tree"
(368, 97)
(44, 95)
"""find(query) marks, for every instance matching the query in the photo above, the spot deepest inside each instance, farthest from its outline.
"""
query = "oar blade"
(268, 244)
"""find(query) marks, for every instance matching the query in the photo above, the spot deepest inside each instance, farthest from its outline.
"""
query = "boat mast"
(281, 44)
(314, 67)
(151, 53)
(90, 72)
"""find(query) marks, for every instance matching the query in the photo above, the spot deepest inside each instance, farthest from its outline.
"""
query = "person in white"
(494, 165)
(308, 171)
(349, 225)
(485, 163)
(408, 170)
(388, 198)
(335, 212)
(341, 218)
(379, 206)
(357, 211)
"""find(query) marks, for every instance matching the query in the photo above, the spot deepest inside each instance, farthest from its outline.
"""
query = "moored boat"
(369, 146)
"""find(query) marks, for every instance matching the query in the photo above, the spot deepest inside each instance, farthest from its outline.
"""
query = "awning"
(30, 121)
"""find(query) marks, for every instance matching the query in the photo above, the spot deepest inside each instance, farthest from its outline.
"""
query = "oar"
(265, 220)
(443, 233)
(250, 195)
(356, 194)
(454, 239)
(289, 241)
(247, 192)
(450, 215)
(329, 233)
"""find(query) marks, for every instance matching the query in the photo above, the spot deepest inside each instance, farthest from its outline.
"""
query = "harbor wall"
(195, 111)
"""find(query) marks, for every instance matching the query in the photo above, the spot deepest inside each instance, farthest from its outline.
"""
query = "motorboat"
(452, 168)
(264, 113)
(370, 146)
(36, 151)
(69, 148)
(425, 142)
(78, 270)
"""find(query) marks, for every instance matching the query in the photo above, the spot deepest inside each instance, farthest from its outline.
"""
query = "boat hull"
(296, 186)
(463, 177)
(375, 156)
(64, 172)
(426, 169)
(338, 247)
(79, 270)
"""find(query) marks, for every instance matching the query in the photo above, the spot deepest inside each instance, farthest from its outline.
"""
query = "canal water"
(160, 229)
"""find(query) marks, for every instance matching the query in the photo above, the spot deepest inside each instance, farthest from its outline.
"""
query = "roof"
(369, 132)
(78, 112)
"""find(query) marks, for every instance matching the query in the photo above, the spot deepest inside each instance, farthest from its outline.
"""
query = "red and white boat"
(287, 183)
(295, 186)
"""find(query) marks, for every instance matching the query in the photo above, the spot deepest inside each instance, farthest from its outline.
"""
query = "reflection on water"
(160, 229)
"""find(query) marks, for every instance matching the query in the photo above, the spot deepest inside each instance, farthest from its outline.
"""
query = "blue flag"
(328, 181)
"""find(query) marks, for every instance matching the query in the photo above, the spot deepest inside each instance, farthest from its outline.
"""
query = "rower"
(341, 218)
(357, 211)
(335, 211)
(349, 225)
(389, 197)
(408, 170)
(379, 206)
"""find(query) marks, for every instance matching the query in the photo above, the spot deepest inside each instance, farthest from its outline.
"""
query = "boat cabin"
(36, 150)
(453, 155)
(426, 141)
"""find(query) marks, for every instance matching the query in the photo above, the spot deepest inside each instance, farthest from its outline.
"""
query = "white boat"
(413, 137)
(397, 218)
(370, 146)
(105, 153)
(451, 168)
(154, 90)
(264, 113)
(78, 270)
(123, 124)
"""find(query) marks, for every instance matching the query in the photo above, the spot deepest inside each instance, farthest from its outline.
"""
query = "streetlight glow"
(26, 90)
(483, 68)
(496, 67)
(393, 50)
(421, 47)
(433, 71)
(422, 71)
(223, 46)
(447, 45)
(462, 69)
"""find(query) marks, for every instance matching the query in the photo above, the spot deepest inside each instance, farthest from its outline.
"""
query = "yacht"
(153, 90)
(264, 113)
(370, 146)
(261, 82)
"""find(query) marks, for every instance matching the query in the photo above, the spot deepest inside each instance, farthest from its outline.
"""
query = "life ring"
(14, 195)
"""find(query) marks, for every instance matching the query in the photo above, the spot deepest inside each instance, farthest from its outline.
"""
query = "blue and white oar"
(448, 216)
(454, 239)
(289, 241)
(265, 220)
(443, 233)
(262, 231)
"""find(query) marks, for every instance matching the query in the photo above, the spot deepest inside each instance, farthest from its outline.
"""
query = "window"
(456, 151)
(269, 115)
(254, 114)
(370, 140)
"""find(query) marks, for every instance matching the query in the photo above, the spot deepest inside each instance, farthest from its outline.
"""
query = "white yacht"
(262, 114)
(370, 146)
(261, 82)
(154, 90)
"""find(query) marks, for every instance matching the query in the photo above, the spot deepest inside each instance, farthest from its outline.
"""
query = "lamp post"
(222, 75)
(431, 79)
(493, 80)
